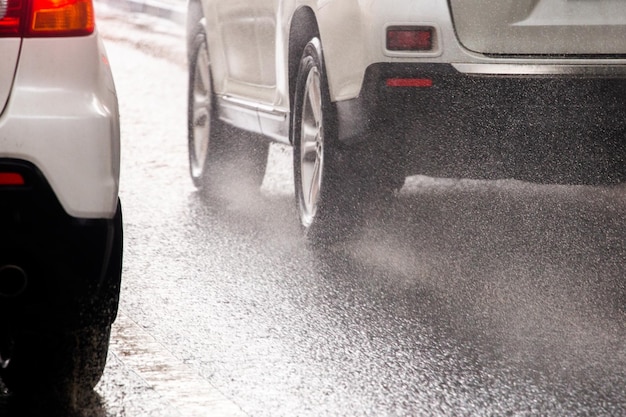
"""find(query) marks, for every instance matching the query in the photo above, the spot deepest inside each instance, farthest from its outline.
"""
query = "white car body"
(371, 91)
(251, 40)
(61, 113)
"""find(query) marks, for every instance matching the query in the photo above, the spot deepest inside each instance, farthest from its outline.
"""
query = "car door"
(236, 31)
(266, 43)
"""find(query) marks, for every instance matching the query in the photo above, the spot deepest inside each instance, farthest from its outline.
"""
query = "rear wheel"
(217, 152)
(328, 192)
(68, 363)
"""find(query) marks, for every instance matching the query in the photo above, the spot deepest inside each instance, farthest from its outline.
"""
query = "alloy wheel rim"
(201, 118)
(311, 147)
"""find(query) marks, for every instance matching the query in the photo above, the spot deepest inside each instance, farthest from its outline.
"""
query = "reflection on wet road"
(457, 298)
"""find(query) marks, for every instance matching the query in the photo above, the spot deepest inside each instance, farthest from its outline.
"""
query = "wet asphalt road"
(458, 298)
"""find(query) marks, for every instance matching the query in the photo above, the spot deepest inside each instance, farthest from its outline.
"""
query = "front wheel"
(218, 153)
(203, 128)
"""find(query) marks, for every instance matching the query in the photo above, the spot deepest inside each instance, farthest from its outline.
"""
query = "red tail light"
(11, 178)
(61, 18)
(11, 12)
(40, 18)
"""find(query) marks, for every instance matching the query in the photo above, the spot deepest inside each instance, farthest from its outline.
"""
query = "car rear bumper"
(65, 260)
(465, 124)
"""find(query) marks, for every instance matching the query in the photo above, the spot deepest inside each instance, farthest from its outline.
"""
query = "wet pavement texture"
(459, 297)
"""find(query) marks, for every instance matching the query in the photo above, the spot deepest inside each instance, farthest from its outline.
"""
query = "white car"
(368, 92)
(60, 216)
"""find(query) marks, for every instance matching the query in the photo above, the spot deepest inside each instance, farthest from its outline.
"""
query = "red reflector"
(409, 38)
(409, 82)
(11, 178)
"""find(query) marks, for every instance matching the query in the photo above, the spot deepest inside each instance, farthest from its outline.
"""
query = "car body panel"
(541, 27)
(62, 116)
(236, 26)
(233, 33)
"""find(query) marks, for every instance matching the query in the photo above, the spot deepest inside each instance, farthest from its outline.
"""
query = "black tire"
(329, 192)
(104, 307)
(68, 364)
(218, 153)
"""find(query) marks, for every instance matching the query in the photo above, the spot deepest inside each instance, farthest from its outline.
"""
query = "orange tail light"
(46, 18)
(61, 18)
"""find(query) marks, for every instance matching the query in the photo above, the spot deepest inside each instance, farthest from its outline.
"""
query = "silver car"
(368, 92)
